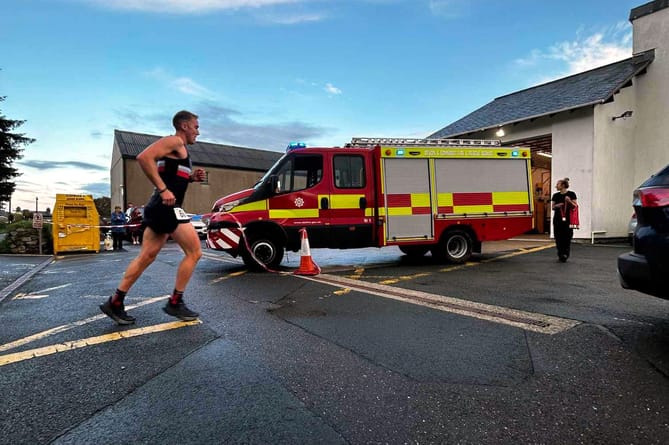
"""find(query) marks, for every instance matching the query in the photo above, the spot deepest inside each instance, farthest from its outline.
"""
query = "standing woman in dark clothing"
(562, 202)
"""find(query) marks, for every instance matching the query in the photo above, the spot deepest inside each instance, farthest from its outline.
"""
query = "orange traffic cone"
(307, 265)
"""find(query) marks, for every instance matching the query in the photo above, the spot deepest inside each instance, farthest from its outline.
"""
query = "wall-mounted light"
(544, 154)
(500, 132)
(624, 115)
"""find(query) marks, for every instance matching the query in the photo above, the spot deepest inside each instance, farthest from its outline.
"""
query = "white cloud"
(189, 86)
(292, 19)
(449, 8)
(187, 6)
(184, 84)
(331, 89)
(585, 52)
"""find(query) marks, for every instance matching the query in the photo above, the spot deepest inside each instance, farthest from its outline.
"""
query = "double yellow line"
(77, 344)
(15, 357)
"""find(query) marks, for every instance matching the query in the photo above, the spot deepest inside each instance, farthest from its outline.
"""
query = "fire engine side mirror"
(363, 203)
(273, 184)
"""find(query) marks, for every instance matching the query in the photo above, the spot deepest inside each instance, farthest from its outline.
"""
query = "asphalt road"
(513, 347)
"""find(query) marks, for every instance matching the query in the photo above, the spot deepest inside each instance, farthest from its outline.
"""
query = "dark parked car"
(631, 227)
(646, 268)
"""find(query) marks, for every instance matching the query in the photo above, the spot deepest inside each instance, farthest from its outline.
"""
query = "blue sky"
(262, 73)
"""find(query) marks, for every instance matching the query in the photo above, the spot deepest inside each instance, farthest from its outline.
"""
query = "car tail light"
(652, 197)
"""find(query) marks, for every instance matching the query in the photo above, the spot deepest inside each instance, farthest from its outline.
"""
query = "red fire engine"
(446, 196)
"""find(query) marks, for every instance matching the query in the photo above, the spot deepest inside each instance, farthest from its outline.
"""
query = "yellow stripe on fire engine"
(444, 199)
(420, 200)
(473, 209)
(461, 152)
(510, 198)
(399, 211)
(293, 213)
(344, 201)
(251, 206)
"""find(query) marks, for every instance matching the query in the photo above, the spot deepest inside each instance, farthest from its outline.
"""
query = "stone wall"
(25, 240)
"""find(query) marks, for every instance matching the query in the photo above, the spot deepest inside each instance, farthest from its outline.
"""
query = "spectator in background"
(564, 200)
(136, 227)
(118, 221)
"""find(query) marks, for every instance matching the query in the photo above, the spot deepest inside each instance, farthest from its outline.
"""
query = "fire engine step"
(529, 321)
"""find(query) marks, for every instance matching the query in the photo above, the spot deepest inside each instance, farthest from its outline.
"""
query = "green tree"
(103, 206)
(10, 150)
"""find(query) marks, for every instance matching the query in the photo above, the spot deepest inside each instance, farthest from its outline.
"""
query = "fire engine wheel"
(414, 251)
(455, 247)
(266, 250)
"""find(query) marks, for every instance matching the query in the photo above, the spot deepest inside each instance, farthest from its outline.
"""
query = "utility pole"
(37, 223)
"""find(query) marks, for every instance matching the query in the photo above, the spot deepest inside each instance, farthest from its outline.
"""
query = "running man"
(167, 164)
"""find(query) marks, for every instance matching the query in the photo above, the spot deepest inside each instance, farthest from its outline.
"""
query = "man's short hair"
(182, 116)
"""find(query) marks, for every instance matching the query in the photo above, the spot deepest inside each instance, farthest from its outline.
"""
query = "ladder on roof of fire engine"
(413, 142)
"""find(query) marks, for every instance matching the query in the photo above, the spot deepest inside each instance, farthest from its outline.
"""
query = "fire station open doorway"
(541, 148)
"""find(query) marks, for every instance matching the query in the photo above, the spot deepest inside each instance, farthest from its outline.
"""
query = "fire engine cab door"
(296, 203)
(407, 199)
(351, 206)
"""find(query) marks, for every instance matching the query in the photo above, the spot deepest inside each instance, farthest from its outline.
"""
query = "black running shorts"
(161, 218)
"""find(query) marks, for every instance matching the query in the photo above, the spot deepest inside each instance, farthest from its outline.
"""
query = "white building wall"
(651, 142)
(116, 178)
(573, 158)
(614, 158)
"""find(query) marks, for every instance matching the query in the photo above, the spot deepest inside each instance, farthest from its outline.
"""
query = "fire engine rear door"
(407, 199)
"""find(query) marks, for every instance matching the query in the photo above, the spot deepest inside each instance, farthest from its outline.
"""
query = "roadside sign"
(37, 220)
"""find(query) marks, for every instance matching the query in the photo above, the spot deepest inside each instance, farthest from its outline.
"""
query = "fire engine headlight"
(230, 205)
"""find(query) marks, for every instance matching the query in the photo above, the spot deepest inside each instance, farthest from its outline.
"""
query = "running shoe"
(180, 311)
(116, 313)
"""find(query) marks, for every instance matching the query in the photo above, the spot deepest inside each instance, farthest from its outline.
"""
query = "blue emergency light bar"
(295, 146)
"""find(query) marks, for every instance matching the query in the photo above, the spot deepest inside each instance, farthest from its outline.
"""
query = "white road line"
(222, 259)
(67, 327)
(529, 321)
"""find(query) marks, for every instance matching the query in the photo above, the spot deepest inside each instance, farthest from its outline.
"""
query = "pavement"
(279, 359)
(17, 269)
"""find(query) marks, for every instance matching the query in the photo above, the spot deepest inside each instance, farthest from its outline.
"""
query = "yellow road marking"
(227, 277)
(77, 344)
(522, 252)
(38, 294)
(67, 327)
(405, 278)
(356, 276)
(21, 296)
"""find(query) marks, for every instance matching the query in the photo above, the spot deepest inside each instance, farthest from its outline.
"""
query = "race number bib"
(180, 214)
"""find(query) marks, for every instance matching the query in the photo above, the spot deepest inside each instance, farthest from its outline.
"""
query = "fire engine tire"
(414, 251)
(455, 247)
(266, 249)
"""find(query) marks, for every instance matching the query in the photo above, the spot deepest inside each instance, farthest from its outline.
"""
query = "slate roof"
(202, 153)
(579, 90)
(648, 8)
